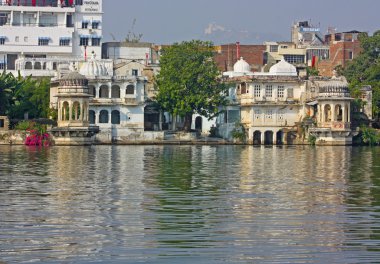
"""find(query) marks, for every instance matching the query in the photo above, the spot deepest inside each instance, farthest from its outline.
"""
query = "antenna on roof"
(132, 36)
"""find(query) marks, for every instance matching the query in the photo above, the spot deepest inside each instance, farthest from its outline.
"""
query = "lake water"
(189, 204)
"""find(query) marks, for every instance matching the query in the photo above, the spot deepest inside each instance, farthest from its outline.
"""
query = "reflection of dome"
(283, 68)
(93, 68)
(242, 66)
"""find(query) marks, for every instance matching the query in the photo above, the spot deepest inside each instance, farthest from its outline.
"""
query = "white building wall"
(27, 24)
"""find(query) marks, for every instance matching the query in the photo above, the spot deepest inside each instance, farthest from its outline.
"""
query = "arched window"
(243, 88)
(76, 111)
(65, 111)
(130, 89)
(92, 90)
(92, 117)
(103, 117)
(115, 91)
(37, 65)
(115, 117)
(104, 93)
(28, 65)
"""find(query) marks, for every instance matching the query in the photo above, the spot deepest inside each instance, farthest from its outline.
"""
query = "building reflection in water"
(216, 203)
(291, 198)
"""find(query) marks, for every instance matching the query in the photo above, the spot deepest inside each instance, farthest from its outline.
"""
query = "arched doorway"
(65, 114)
(279, 136)
(338, 113)
(257, 138)
(198, 123)
(290, 138)
(92, 117)
(115, 117)
(268, 138)
(76, 111)
(327, 112)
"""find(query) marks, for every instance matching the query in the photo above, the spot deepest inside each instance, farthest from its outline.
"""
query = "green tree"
(19, 95)
(188, 81)
(7, 87)
(365, 69)
(312, 71)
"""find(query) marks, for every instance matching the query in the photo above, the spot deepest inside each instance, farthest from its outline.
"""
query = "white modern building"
(48, 29)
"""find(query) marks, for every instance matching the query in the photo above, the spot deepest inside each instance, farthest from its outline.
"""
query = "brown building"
(228, 54)
(343, 47)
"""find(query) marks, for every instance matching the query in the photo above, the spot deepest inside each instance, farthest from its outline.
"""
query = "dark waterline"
(194, 204)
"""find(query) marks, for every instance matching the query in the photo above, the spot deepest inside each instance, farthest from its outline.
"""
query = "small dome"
(242, 66)
(73, 78)
(93, 68)
(73, 75)
(283, 68)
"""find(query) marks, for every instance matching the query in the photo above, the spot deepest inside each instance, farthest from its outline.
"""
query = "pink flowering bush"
(37, 139)
(36, 134)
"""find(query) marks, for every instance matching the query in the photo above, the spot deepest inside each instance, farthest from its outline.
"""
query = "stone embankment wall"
(12, 137)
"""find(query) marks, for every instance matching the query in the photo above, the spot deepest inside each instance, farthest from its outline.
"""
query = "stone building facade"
(280, 107)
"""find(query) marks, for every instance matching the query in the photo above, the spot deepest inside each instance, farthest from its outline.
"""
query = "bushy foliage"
(239, 132)
(19, 95)
(369, 136)
(188, 81)
(312, 71)
(365, 69)
(36, 133)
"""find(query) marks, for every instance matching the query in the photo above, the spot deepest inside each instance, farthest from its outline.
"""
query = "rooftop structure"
(49, 29)
(305, 34)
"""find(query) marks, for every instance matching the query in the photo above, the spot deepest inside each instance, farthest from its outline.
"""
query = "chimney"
(237, 50)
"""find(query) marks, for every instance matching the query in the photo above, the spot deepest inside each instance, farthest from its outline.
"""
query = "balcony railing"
(335, 125)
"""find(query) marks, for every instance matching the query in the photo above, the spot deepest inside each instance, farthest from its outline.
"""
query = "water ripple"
(205, 204)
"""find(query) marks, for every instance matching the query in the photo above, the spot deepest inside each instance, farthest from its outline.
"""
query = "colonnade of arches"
(269, 137)
(38, 65)
(104, 117)
(104, 91)
(73, 111)
(339, 112)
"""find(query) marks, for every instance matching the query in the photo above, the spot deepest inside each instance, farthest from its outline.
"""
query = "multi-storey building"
(343, 47)
(49, 29)
(116, 103)
(304, 34)
(288, 51)
(280, 107)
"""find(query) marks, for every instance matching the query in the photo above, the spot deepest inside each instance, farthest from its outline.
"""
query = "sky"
(222, 21)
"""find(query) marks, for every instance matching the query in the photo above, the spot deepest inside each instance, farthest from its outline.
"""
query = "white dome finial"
(283, 68)
(242, 66)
